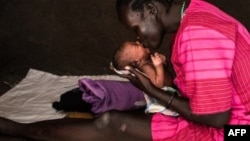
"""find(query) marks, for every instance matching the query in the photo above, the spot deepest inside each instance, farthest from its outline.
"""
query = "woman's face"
(149, 31)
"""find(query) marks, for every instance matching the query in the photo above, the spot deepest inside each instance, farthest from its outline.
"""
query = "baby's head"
(130, 53)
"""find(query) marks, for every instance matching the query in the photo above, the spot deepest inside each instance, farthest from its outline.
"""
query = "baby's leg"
(118, 126)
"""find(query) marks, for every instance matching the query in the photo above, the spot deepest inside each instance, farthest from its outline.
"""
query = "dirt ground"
(68, 37)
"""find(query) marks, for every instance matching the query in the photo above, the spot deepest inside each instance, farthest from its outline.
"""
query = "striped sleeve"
(207, 56)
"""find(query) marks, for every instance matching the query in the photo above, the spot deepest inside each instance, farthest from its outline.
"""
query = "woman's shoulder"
(204, 12)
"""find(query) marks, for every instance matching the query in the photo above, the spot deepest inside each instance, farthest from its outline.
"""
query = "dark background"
(69, 37)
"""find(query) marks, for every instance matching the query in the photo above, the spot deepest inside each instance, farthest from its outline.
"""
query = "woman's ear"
(151, 8)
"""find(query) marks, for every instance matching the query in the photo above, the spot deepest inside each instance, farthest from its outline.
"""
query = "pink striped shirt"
(211, 58)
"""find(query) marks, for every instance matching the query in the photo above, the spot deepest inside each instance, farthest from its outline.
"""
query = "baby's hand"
(158, 59)
(163, 57)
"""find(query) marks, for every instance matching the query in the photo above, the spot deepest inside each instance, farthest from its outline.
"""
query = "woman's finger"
(132, 70)
(136, 73)
(139, 79)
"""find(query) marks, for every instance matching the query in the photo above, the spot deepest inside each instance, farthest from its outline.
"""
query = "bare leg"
(118, 126)
(9, 138)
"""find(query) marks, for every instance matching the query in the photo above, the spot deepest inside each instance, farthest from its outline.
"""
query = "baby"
(134, 54)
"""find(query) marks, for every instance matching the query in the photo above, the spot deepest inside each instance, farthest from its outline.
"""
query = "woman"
(211, 60)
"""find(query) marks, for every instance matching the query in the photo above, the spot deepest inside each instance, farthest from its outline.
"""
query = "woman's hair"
(137, 5)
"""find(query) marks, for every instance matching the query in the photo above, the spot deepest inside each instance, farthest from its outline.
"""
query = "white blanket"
(31, 99)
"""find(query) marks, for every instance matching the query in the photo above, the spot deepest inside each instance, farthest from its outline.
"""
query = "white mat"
(31, 99)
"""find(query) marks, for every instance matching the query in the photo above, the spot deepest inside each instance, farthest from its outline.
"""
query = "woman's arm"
(178, 104)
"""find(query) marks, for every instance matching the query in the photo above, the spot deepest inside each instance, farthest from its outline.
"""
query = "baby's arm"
(155, 71)
(159, 61)
(168, 77)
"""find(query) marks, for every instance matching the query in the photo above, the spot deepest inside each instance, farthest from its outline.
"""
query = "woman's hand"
(121, 73)
(139, 79)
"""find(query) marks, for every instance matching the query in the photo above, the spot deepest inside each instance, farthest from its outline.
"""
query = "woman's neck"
(172, 19)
